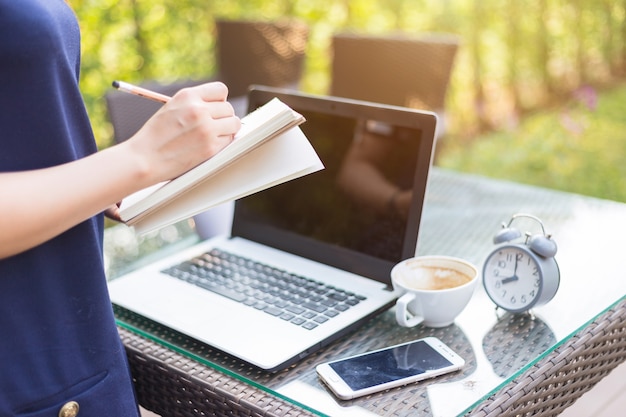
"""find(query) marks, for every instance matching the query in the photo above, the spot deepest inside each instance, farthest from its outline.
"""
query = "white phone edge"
(341, 389)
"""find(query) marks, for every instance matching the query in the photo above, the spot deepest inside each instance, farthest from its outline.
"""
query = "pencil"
(139, 91)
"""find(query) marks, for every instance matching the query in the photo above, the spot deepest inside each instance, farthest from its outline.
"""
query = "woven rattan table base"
(172, 384)
(559, 379)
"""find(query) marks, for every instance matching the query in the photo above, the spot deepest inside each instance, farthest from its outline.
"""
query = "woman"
(60, 352)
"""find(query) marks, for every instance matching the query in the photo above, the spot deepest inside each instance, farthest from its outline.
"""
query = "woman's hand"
(194, 125)
(40, 204)
(113, 212)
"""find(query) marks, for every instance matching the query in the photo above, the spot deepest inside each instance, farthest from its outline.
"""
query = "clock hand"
(514, 277)
(510, 279)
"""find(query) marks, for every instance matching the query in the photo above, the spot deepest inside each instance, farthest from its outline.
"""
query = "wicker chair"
(393, 69)
(247, 52)
(266, 53)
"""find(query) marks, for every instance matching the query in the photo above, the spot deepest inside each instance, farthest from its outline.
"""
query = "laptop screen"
(362, 212)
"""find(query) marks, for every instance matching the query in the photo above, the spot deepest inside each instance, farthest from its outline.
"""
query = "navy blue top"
(58, 339)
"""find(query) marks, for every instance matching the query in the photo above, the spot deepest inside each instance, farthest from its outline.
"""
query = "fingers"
(213, 91)
(193, 126)
(113, 212)
(217, 144)
(203, 102)
(214, 119)
(227, 128)
(220, 109)
(209, 92)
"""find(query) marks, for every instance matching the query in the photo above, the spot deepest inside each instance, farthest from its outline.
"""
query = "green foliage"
(515, 57)
(135, 40)
(579, 147)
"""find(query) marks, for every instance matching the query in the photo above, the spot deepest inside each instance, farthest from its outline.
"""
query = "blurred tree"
(514, 54)
(543, 46)
(143, 50)
(475, 46)
(514, 38)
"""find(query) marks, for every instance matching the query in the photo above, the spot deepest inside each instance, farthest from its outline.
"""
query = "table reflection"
(514, 341)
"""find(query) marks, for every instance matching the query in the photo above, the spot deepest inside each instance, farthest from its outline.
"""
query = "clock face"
(512, 278)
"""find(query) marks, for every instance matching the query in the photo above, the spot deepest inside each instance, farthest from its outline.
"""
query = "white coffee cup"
(435, 289)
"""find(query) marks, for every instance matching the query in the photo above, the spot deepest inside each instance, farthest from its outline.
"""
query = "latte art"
(433, 278)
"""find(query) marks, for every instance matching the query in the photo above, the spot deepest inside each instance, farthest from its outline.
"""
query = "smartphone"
(389, 367)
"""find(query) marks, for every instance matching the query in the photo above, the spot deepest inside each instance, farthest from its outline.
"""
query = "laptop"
(307, 261)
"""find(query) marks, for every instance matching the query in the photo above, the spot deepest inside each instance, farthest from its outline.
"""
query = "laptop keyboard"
(293, 298)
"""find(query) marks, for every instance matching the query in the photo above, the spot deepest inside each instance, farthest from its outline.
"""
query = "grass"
(578, 147)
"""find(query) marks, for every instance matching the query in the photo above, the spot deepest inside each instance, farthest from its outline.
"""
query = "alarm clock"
(521, 275)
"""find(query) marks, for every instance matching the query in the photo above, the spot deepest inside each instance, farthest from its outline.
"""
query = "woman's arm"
(38, 205)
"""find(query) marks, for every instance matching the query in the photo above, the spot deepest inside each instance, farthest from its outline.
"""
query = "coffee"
(434, 289)
(433, 278)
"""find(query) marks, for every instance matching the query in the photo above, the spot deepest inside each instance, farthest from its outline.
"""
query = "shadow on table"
(514, 341)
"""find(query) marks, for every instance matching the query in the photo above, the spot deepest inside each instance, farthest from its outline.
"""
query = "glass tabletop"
(462, 213)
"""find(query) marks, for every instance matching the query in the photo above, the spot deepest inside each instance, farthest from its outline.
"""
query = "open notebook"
(309, 260)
